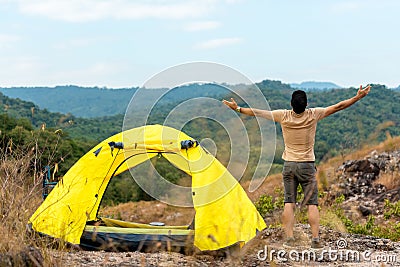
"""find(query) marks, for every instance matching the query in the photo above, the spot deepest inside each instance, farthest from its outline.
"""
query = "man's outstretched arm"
(249, 111)
(348, 102)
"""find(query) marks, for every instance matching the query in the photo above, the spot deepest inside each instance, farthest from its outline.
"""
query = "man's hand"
(232, 104)
(363, 92)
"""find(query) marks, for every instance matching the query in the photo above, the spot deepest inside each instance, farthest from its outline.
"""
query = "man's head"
(299, 101)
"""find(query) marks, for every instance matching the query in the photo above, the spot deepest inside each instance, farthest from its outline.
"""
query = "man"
(298, 128)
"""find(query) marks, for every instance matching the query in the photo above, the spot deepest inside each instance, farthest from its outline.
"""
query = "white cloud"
(233, 1)
(98, 73)
(7, 40)
(91, 10)
(74, 43)
(342, 7)
(33, 71)
(202, 25)
(350, 6)
(26, 64)
(216, 43)
(20, 70)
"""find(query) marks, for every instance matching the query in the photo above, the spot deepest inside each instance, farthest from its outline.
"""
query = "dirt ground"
(266, 249)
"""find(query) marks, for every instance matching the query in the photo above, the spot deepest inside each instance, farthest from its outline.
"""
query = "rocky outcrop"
(358, 182)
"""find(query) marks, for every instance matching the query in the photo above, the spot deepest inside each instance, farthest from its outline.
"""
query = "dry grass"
(20, 196)
(390, 180)
(268, 187)
(17, 198)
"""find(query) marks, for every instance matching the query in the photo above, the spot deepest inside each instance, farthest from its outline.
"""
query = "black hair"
(299, 101)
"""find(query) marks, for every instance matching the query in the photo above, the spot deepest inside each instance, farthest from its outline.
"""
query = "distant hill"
(91, 102)
(79, 101)
(311, 85)
(367, 121)
(79, 128)
(273, 85)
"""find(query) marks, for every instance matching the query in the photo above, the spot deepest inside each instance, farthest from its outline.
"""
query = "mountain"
(273, 85)
(366, 121)
(79, 101)
(371, 120)
(91, 102)
(311, 85)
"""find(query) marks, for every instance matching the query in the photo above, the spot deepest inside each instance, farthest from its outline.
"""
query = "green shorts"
(303, 173)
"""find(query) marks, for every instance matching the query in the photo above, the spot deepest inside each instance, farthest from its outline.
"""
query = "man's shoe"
(316, 244)
(290, 243)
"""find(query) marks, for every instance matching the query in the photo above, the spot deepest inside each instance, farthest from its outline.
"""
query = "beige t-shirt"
(299, 132)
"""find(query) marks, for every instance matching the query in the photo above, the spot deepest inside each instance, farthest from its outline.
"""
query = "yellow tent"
(224, 213)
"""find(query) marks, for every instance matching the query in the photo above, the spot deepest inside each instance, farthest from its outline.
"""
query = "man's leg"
(306, 173)
(313, 220)
(288, 219)
(290, 184)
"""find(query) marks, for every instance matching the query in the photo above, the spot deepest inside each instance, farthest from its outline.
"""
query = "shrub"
(267, 204)
(391, 209)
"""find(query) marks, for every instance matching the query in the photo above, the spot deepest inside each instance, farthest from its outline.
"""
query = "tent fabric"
(224, 213)
(128, 239)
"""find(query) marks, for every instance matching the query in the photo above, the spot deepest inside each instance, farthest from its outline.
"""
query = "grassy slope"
(156, 211)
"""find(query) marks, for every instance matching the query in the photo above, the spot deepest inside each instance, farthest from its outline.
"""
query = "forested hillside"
(367, 121)
(62, 138)
(79, 101)
(91, 102)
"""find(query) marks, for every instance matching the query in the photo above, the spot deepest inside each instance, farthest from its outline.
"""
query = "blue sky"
(121, 43)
